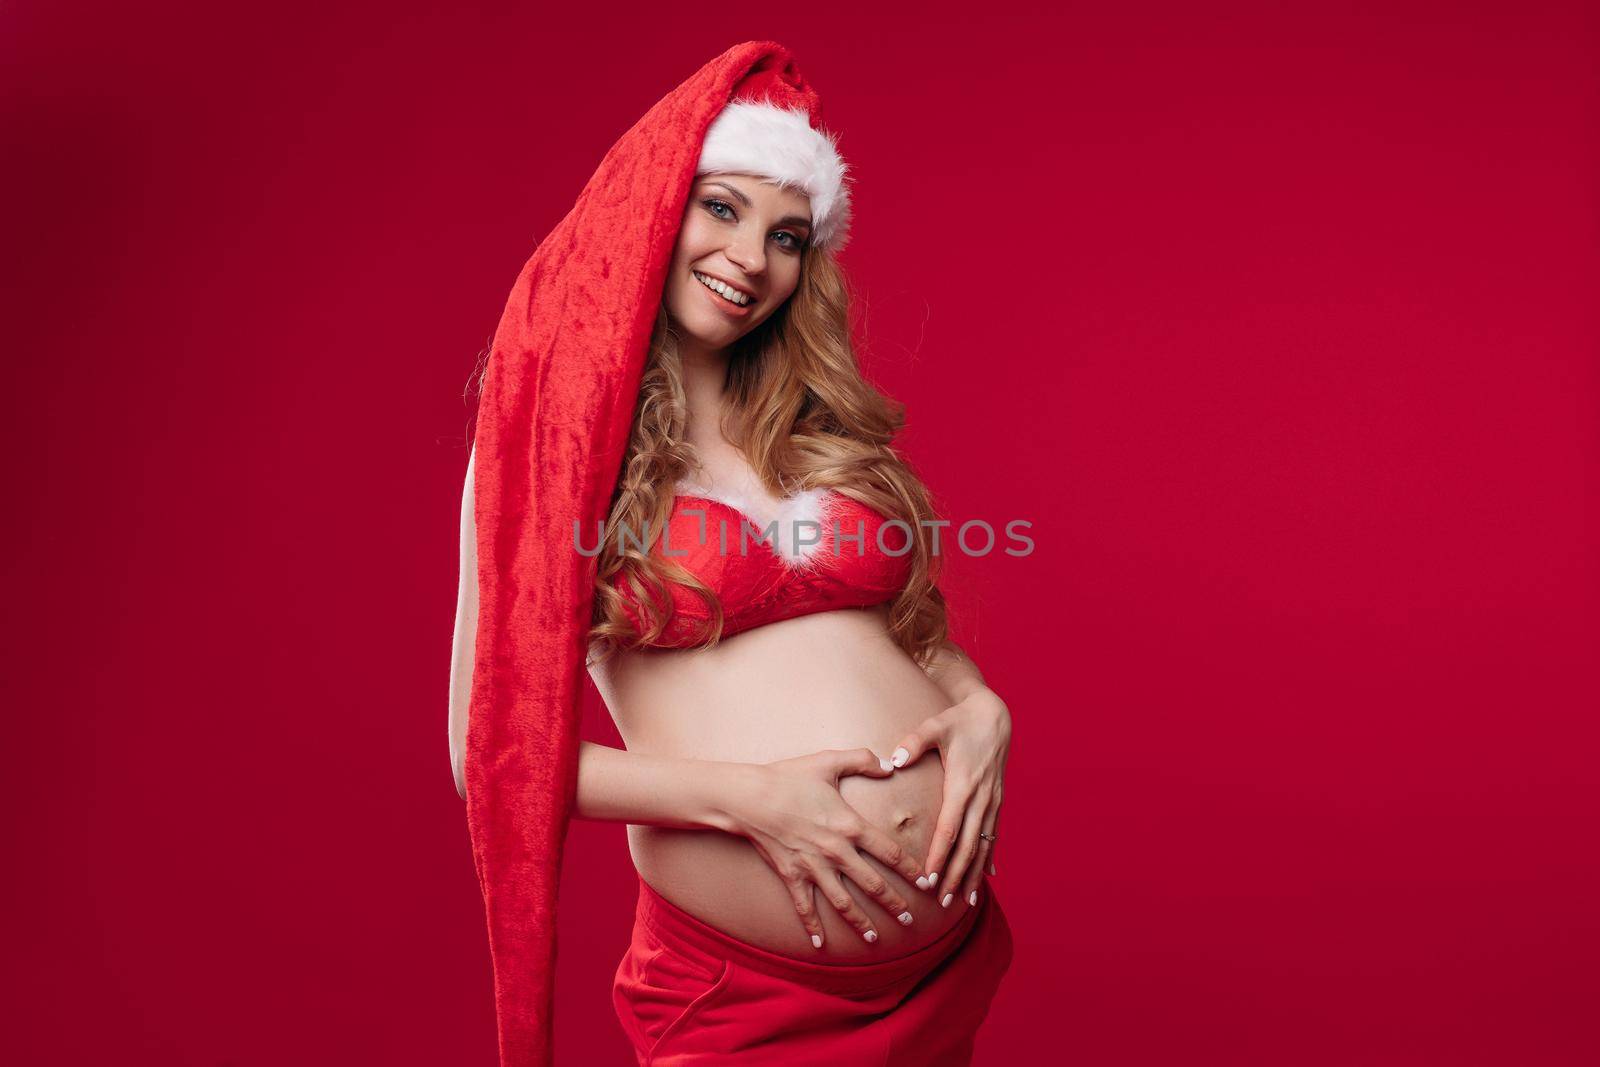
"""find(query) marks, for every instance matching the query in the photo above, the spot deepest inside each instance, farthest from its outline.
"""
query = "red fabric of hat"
(553, 424)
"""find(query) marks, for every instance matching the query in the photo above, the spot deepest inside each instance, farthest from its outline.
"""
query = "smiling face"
(744, 236)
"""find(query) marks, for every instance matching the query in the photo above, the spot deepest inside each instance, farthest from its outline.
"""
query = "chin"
(706, 329)
(712, 338)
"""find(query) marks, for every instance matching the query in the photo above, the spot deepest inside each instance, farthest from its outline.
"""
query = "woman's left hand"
(973, 738)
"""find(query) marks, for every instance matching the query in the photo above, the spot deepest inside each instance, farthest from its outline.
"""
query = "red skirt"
(689, 994)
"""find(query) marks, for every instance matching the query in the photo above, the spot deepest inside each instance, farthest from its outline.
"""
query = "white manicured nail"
(972, 898)
(933, 879)
(900, 756)
(871, 936)
(816, 940)
(885, 764)
(904, 917)
(948, 897)
(922, 882)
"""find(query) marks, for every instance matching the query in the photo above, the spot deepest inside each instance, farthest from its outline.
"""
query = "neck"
(705, 371)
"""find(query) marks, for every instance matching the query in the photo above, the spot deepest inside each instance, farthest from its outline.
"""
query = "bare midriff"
(832, 680)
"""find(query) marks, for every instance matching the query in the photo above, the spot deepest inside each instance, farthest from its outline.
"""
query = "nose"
(747, 250)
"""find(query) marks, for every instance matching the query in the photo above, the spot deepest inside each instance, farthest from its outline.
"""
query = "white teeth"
(727, 292)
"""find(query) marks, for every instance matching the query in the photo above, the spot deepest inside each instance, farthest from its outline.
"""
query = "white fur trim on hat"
(779, 144)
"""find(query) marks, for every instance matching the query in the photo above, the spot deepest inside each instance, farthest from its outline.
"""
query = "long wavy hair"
(804, 417)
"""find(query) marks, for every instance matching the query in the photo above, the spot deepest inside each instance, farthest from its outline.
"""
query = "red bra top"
(809, 558)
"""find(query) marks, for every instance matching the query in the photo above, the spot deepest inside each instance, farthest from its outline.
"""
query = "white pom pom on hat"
(779, 144)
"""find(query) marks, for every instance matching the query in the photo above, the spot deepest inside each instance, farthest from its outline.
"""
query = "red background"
(1280, 328)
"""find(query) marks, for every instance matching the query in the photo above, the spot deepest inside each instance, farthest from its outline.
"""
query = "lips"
(728, 307)
(741, 290)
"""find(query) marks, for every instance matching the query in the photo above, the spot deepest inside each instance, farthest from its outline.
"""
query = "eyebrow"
(787, 220)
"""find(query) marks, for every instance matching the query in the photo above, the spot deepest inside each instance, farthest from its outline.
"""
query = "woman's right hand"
(793, 814)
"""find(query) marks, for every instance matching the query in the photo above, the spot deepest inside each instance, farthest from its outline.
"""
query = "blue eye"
(712, 204)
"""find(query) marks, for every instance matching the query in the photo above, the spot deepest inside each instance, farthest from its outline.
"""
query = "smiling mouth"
(736, 297)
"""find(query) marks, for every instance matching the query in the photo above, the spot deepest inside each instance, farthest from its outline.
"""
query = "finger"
(803, 893)
(886, 850)
(796, 881)
(917, 742)
(834, 891)
(965, 853)
(973, 882)
(974, 879)
(861, 761)
(999, 802)
(876, 886)
(952, 809)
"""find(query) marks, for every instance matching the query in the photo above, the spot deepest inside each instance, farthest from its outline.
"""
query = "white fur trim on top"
(805, 515)
(779, 144)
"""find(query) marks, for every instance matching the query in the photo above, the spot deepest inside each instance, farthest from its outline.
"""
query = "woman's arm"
(953, 671)
(615, 785)
(466, 634)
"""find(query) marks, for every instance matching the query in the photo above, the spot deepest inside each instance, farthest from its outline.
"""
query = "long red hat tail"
(553, 423)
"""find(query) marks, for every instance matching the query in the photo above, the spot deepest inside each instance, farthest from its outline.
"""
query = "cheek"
(677, 291)
(787, 288)
(672, 296)
(693, 234)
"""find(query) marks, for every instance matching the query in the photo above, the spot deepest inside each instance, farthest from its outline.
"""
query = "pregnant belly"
(826, 681)
(722, 880)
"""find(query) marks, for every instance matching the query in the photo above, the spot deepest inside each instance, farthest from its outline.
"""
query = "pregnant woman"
(813, 774)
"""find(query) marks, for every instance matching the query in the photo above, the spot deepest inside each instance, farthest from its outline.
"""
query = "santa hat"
(553, 423)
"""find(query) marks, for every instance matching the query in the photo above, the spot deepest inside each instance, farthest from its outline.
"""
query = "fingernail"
(900, 756)
(972, 898)
(933, 879)
(923, 883)
(871, 936)
(948, 897)
(885, 764)
(816, 940)
(905, 917)
(991, 867)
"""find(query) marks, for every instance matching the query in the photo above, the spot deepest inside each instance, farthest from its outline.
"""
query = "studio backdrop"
(1276, 325)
